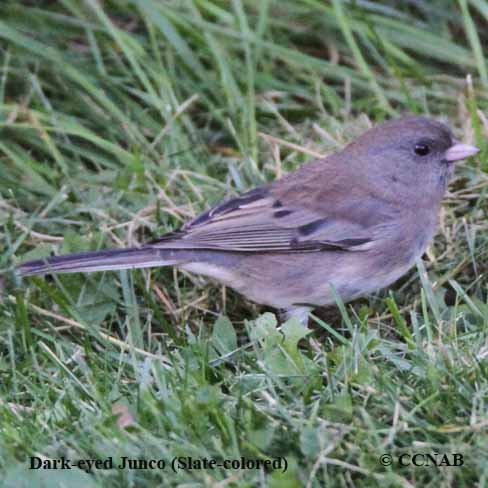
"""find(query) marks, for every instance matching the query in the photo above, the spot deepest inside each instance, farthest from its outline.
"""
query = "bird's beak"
(460, 151)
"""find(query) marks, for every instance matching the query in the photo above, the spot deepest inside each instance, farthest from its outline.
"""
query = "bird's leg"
(300, 313)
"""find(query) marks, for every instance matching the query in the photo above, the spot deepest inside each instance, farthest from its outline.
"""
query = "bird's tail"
(110, 259)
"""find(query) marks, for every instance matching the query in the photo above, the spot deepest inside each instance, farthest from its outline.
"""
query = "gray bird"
(356, 220)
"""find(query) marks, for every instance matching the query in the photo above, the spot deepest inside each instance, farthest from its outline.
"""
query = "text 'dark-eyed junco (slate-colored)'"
(357, 220)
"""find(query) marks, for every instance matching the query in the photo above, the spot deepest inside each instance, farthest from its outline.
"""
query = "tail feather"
(110, 259)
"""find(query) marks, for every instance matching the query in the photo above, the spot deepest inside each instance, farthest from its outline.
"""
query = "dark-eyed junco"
(357, 219)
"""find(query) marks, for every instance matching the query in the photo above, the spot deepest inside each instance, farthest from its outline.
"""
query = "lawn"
(121, 120)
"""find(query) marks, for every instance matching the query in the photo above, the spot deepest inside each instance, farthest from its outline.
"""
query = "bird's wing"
(258, 221)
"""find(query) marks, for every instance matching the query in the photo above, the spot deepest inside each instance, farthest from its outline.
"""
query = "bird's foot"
(300, 313)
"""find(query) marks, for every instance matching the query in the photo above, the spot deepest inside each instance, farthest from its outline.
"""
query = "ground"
(120, 121)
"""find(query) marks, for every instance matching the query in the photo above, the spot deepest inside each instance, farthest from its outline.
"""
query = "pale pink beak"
(460, 151)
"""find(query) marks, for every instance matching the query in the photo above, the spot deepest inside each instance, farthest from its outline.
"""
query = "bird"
(347, 224)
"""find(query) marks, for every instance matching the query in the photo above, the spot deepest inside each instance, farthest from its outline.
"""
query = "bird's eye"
(421, 149)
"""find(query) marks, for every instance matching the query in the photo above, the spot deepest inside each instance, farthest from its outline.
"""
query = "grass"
(121, 120)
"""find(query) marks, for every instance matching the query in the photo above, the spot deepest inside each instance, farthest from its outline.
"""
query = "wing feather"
(258, 222)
